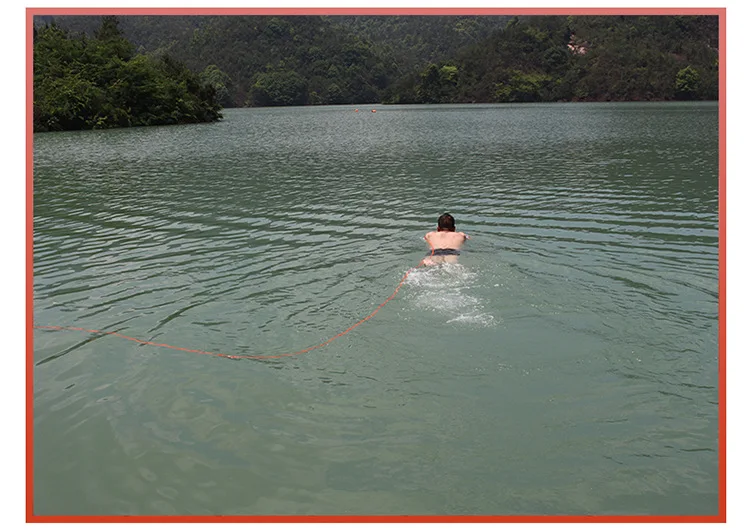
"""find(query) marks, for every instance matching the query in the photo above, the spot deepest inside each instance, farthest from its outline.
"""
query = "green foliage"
(523, 87)
(83, 83)
(437, 85)
(546, 58)
(413, 42)
(111, 39)
(279, 88)
(430, 85)
(220, 81)
(449, 74)
(687, 83)
(295, 60)
(345, 59)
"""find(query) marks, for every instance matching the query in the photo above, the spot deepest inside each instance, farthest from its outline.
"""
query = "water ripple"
(578, 334)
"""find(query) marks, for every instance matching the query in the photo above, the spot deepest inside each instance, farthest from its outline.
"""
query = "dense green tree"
(522, 87)
(279, 88)
(84, 83)
(437, 85)
(687, 83)
(428, 90)
(220, 81)
(112, 41)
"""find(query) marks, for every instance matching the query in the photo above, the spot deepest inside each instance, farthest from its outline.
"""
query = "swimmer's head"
(446, 223)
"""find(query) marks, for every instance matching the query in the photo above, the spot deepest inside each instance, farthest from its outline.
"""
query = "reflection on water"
(566, 365)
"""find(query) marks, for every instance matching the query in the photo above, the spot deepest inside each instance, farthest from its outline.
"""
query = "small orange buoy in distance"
(373, 111)
(356, 110)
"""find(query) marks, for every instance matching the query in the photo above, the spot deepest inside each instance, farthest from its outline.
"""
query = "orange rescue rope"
(237, 357)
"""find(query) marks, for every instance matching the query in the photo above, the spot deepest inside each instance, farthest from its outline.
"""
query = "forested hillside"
(576, 58)
(586, 58)
(265, 60)
(413, 41)
(302, 60)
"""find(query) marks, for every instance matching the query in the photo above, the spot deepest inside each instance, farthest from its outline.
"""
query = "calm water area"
(566, 365)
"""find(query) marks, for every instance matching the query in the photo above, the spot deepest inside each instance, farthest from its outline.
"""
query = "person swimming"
(445, 243)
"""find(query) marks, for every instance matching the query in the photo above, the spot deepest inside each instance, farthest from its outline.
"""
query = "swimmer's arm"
(427, 239)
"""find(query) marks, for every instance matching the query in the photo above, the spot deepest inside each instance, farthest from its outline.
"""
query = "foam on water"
(482, 319)
(445, 289)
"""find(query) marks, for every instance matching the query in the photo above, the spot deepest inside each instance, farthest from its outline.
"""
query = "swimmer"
(445, 243)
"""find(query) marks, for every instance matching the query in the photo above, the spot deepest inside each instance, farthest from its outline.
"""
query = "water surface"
(566, 365)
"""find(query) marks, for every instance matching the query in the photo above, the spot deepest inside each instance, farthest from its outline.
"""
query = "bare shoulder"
(466, 237)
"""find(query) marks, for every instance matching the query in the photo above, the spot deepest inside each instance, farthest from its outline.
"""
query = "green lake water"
(566, 365)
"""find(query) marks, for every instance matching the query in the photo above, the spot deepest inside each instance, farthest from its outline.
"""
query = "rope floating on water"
(239, 357)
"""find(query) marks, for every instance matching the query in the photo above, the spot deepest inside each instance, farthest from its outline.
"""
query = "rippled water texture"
(566, 365)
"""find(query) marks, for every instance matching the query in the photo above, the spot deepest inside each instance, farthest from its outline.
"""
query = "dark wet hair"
(446, 221)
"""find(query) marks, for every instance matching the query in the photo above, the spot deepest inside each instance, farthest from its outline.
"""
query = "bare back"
(445, 239)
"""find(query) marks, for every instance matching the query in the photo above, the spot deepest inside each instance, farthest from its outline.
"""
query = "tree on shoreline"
(85, 83)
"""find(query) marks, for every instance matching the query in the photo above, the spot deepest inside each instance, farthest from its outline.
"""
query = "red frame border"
(29, 266)
(32, 518)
